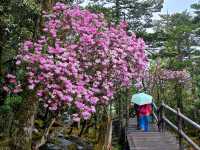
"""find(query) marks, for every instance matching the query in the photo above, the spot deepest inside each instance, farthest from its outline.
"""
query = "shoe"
(142, 129)
(138, 128)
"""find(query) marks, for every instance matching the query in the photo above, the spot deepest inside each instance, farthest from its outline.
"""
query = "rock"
(66, 121)
(50, 146)
(35, 130)
(80, 148)
(64, 143)
(72, 147)
(60, 135)
(59, 144)
(54, 147)
(81, 143)
(58, 141)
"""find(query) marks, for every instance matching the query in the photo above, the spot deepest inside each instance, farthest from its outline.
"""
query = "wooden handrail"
(187, 138)
(182, 116)
(155, 107)
(169, 108)
(155, 113)
(189, 121)
(155, 116)
(178, 128)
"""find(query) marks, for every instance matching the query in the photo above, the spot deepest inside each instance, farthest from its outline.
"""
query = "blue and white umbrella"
(141, 99)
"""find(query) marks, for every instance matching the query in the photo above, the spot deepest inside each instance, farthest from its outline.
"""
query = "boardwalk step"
(152, 140)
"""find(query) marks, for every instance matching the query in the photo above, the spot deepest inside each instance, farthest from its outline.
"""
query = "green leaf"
(39, 122)
(5, 108)
(13, 100)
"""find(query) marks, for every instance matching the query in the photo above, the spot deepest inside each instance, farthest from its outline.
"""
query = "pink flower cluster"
(152, 78)
(180, 75)
(11, 85)
(81, 61)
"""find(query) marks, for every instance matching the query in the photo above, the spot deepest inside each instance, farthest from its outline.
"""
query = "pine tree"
(137, 13)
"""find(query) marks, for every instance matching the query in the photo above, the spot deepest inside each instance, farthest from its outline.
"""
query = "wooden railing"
(162, 120)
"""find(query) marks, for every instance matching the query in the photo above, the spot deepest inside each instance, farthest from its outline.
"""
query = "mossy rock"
(72, 147)
(40, 123)
(55, 141)
(37, 136)
(4, 143)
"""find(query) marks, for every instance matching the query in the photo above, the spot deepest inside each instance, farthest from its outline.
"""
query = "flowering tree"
(157, 74)
(159, 80)
(11, 84)
(81, 61)
(180, 75)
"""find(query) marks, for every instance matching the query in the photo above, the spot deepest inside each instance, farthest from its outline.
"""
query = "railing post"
(179, 123)
(162, 116)
(152, 117)
(159, 118)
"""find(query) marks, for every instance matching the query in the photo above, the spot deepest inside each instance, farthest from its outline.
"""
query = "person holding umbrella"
(144, 109)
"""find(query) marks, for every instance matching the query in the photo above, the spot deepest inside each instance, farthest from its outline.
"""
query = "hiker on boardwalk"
(143, 108)
(144, 112)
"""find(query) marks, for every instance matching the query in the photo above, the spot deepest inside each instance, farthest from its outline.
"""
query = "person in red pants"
(144, 112)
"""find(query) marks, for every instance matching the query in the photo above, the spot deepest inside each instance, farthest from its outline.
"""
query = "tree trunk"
(2, 44)
(83, 127)
(179, 97)
(22, 136)
(102, 130)
(44, 138)
(47, 4)
(108, 135)
(117, 11)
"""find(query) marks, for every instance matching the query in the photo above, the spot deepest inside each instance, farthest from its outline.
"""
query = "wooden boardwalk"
(152, 140)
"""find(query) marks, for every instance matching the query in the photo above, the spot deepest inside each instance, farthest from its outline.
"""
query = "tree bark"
(108, 135)
(22, 136)
(117, 11)
(83, 127)
(102, 130)
(45, 135)
(179, 97)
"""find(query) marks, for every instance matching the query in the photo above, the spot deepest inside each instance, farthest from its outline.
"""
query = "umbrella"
(141, 99)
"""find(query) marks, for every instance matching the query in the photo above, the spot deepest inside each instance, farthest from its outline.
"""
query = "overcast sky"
(177, 5)
(173, 6)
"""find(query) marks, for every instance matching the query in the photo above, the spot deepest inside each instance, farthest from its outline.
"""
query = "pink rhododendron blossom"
(11, 80)
(162, 75)
(31, 87)
(76, 117)
(18, 62)
(181, 75)
(10, 76)
(39, 93)
(81, 61)
(5, 88)
(86, 115)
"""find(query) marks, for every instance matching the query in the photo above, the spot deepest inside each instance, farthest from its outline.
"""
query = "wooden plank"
(152, 140)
